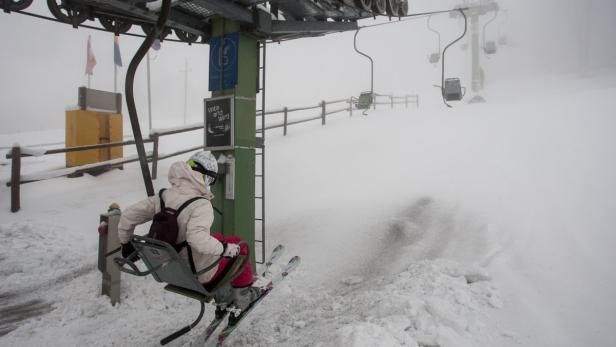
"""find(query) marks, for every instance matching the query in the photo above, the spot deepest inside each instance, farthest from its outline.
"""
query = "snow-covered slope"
(483, 225)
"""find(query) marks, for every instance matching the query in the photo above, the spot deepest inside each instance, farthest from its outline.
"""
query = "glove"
(231, 250)
(127, 250)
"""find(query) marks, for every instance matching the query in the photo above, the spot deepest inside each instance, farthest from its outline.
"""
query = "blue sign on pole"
(224, 65)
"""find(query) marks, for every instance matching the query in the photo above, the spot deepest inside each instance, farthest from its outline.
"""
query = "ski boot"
(242, 299)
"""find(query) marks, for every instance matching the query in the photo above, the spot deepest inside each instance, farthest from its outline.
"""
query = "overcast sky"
(42, 63)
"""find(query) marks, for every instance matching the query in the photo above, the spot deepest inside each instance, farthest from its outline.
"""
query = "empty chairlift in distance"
(489, 47)
(365, 100)
(435, 57)
(502, 38)
(451, 88)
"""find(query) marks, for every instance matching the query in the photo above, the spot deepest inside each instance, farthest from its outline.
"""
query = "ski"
(211, 328)
(276, 253)
(291, 265)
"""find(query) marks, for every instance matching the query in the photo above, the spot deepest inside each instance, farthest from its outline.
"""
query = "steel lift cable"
(130, 97)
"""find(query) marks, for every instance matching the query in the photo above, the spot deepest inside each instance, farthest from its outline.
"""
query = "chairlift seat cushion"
(172, 269)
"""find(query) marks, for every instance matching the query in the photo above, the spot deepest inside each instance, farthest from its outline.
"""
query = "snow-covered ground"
(482, 225)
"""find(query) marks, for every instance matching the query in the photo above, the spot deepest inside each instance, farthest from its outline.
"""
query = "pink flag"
(90, 60)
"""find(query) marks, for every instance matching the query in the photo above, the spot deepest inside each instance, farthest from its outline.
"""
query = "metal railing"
(352, 105)
(17, 152)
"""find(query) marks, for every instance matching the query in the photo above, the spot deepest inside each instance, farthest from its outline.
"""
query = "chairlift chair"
(434, 58)
(365, 100)
(490, 47)
(453, 91)
(164, 263)
(450, 88)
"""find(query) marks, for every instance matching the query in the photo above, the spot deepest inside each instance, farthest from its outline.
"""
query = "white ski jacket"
(193, 223)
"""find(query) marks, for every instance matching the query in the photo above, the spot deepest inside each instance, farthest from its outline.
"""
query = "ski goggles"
(208, 176)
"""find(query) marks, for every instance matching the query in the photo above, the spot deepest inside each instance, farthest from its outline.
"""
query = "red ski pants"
(245, 277)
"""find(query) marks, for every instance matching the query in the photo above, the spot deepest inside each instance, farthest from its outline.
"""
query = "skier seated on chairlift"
(189, 180)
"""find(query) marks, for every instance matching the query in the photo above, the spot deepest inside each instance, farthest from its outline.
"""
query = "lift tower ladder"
(260, 151)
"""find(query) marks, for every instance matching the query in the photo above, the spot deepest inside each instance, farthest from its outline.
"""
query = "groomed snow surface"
(482, 225)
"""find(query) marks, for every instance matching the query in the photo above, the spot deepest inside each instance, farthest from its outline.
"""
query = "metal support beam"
(238, 212)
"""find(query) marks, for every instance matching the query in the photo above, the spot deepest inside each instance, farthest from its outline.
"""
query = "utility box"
(89, 128)
(96, 120)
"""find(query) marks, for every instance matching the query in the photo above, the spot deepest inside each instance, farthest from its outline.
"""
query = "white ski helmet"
(205, 163)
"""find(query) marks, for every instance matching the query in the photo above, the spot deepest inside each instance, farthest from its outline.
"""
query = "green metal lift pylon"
(239, 214)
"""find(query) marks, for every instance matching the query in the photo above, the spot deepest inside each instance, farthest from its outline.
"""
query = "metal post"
(108, 248)
(185, 88)
(149, 94)
(476, 84)
(391, 99)
(239, 212)
(15, 177)
(323, 112)
(155, 137)
(351, 107)
(284, 128)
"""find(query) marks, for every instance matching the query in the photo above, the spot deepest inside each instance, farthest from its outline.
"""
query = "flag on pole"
(117, 57)
(90, 60)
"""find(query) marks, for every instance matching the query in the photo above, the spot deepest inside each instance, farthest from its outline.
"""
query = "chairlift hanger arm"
(438, 34)
(445, 50)
(371, 62)
(486, 25)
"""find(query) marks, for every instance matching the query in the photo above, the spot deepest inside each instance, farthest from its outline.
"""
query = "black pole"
(15, 176)
(130, 98)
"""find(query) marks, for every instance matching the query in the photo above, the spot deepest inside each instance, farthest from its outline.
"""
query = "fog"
(42, 63)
